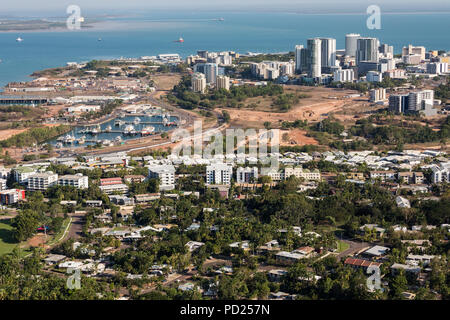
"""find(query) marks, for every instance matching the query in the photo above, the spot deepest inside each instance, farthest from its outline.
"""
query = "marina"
(118, 130)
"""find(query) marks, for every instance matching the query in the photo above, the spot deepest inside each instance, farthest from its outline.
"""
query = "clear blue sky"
(27, 7)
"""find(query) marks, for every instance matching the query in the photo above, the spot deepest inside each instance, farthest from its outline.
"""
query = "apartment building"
(219, 173)
(246, 175)
(42, 181)
(383, 175)
(299, 172)
(165, 174)
(2, 184)
(11, 196)
(77, 180)
(21, 174)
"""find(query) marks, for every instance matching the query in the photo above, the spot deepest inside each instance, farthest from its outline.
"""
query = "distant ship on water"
(19, 39)
(180, 40)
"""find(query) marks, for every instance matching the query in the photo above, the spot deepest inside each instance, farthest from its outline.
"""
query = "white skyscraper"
(199, 82)
(298, 57)
(328, 49)
(314, 57)
(351, 43)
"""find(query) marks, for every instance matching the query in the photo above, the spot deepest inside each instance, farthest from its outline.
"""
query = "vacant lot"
(320, 103)
(296, 137)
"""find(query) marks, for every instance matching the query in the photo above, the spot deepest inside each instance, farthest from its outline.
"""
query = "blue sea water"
(151, 34)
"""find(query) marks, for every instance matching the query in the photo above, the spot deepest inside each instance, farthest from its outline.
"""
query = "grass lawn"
(7, 242)
(342, 246)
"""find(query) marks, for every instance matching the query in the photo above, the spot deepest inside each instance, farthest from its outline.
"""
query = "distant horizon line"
(92, 14)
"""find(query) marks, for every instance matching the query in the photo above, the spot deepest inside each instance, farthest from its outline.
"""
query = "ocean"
(154, 33)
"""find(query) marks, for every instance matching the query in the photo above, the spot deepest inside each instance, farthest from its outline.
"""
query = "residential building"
(366, 50)
(383, 175)
(11, 196)
(114, 188)
(42, 181)
(299, 172)
(411, 50)
(360, 263)
(110, 181)
(223, 82)
(199, 82)
(328, 54)
(377, 95)
(2, 184)
(246, 175)
(374, 76)
(21, 174)
(219, 174)
(165, 174)
(314, 57)
(398, 103)
(418, 100)
(351, 44)
(77, 180)
(344, 75)
(300, 60)
(211, 72)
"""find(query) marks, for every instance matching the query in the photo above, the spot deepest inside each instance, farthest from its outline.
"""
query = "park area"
(7, 242)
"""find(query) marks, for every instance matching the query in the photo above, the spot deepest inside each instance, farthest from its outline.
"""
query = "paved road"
(76, 227)
(354, 247)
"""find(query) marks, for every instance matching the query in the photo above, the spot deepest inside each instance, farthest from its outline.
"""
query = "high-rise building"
(220, 173)
(223, 82)
(299, 51)
(314, 57)
(418, 100)
(367, 50)
(386, 50)
(211, 72)
(199, 82)
(351, 44)
(398, 103)
(328, 53)
(413, 102)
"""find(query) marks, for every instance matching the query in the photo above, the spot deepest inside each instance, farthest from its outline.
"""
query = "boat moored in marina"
(147, 131)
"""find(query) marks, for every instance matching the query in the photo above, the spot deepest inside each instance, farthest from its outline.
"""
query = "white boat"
(128, 129)
(147, 131)
(106, 142)
(136, 120)
(69, 139)
(118, 123)
(19, 39)
(108, 129)
(118, 139)
(59, 145)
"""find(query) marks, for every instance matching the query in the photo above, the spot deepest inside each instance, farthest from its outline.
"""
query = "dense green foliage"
(34, 136)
